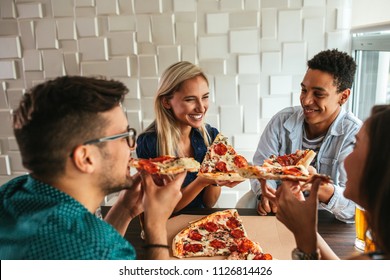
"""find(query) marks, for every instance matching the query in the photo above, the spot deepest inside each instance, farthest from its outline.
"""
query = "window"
(371, 51)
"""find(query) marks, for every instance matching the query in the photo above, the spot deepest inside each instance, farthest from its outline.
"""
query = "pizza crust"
(221, 176)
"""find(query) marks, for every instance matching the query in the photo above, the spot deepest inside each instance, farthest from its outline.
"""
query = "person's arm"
(159, 203)
(127, 206)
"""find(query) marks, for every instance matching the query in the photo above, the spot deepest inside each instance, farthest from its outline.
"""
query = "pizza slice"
(219, 234)
(165, 165)
(221, 161)
(300, 157)
(295, 173)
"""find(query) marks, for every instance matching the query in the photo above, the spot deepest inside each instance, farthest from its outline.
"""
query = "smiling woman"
(181, 103)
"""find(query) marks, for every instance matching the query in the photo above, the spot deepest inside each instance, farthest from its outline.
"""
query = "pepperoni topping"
(148, 166)
(162, 159)
(232, 223)
(240, 161)
(211, 227)
(262, 256)
(195, 235)
(292, 171)
(237, 233)
(220, 149)
(221, 166)
(192, 248)
(217, 244)
(233, 248)
(245, 246)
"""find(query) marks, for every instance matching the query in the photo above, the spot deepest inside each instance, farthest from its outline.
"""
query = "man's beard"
(108, 182)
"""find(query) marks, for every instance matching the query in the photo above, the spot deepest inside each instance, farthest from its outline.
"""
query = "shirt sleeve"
(268, 145)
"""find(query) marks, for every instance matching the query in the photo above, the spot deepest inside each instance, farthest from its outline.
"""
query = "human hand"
(267, 203)
(130, 199)
(299, 216)
(159, 201)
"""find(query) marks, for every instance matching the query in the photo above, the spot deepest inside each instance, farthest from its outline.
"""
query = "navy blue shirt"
(147, 148)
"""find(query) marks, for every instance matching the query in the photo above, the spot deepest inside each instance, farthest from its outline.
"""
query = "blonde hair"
(168, 133)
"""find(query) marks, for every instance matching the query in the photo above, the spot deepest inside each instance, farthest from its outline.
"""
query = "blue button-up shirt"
(283, 135)
(147, 148)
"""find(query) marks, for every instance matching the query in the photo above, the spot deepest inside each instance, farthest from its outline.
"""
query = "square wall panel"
(226, 90)
(271, 105)
(133, 85)
(275, 4)
(3, 98)
(186, 33)
(231, 5)
(184, 5)
(167, 55)
(27, 34)
(147, 106)
(231, 119)
(6, 123)
(271, 62)
(5, 167)
(340, 40)
(314, 3)
(7, 9)
(162, 29)
(148, 87)
(8, 69)
(213, 47)
(144, 31)
(246, 141)
(214, 67)
(62, 8)
(249, 64)
(107, 7)
(72, 63)
(189, 53)
(250, 100)
(32, 60)
(134, 118)
(244, 20)
(16, 162)
(53, 63)
(147, 7)
(87, 26)
(217, 23)
(314, 35)
(290, 25)
(66, 29)
(119, 67)
(84, 3)
(93, 49)
(121, 23)
(343, 18)
(10, 47)
(280, 85)
(147, 65)
(294, 58)
(46, 34)
(29, 10)
(12, 144)
(14, 96)
(122, 43)
(269, 23)
(244, 41)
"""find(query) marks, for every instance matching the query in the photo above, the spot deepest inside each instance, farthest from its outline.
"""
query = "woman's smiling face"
(190, 103)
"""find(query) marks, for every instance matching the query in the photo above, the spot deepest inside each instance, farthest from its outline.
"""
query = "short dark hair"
(339, 64)
(375, 185)
(57, 115)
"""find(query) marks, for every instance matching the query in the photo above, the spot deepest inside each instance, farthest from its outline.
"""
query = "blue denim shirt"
(147, 148)
(283, 135)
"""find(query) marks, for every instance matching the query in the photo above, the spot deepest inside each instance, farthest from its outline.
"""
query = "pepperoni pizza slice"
(219, 234)
(222, 161)
(165, 165)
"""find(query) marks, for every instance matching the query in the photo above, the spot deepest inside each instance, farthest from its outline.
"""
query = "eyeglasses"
(130, 136)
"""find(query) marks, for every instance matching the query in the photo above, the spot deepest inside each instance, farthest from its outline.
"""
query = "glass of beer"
(361, 228)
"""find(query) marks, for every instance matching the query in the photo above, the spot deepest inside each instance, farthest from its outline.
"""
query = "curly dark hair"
(57, 115)
(339, 64)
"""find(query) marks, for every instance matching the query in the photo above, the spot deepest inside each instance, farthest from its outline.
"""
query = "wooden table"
(340, 236)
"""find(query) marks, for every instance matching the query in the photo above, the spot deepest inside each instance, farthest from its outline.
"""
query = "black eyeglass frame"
(130, 136)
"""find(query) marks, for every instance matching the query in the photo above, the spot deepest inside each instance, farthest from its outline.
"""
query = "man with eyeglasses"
(75, 142)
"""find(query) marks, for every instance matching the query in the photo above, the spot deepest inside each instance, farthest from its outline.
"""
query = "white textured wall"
(254, 52)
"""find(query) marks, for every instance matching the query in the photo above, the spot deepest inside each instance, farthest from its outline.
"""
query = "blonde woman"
(179, 129)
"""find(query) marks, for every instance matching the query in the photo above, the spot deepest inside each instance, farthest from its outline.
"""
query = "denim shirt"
(147, 148)
(283, 135)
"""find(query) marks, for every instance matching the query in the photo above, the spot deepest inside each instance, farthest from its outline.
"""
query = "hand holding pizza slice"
(222, 161)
